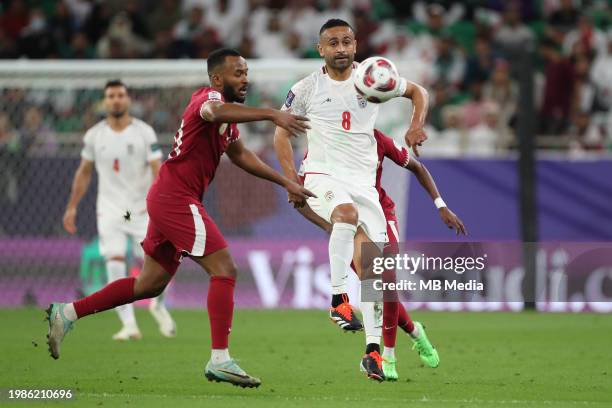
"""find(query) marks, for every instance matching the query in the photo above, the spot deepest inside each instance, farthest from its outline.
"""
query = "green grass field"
(487, 360)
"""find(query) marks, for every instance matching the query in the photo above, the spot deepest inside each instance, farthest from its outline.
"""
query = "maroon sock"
(390, 311)
(117, 293)
(220, 305)
(403, 320)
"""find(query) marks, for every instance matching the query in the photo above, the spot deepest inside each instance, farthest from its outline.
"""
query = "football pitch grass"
(487, 360)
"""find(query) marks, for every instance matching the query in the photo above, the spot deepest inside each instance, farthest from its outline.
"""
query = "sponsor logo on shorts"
(329, 195)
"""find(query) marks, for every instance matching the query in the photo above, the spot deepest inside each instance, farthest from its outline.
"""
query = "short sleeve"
(153, 148)
(298, 97)
(234, 133)
(209, 96)
(88, 152)
(392, 150)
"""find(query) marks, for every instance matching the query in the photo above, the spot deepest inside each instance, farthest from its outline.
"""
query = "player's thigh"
(371, 215)
(361, 238)
(113, 239)
(218, 263)
(152, 279)
(158, 246)
(330, 193)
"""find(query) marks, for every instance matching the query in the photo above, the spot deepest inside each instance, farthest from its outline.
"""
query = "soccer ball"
(377, 80)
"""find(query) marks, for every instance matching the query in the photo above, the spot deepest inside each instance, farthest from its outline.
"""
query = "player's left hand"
(297, 194)
(415, 137)
(452, 221)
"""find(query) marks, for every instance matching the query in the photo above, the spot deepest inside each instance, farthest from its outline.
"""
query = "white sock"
(415, 332)
(371, 313)
(117, 270)
(389, 352)
(341, 243)
(218, 356)
(70, 312)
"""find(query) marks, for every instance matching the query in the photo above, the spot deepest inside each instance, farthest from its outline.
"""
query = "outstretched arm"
(251, 163)
(311, 216)
(420, 103)
(217, 111)
(400, 156)
(80, 183)
(284, 153)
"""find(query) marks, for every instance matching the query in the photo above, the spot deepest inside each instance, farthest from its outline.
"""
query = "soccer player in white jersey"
(126, 156)
(340, 170)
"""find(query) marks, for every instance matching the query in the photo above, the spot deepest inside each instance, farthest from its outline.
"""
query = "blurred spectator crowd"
(467, 53)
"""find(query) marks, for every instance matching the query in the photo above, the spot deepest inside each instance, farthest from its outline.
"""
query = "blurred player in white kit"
(126, 156)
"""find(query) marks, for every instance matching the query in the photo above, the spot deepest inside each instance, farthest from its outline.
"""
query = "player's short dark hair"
(113, 83)
(217, 58)
(334, 22)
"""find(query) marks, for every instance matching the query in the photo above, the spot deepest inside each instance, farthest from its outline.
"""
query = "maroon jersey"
(197, 150)
(387, 148)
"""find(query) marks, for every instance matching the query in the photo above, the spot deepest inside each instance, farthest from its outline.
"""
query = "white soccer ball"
(377, 80)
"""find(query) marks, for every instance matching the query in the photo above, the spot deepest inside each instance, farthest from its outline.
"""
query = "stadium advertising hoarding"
(571, 276)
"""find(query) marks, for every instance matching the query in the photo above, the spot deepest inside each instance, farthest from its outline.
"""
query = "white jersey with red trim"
(341, 139)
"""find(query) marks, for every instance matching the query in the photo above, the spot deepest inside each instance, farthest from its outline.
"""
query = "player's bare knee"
(345, 213)
(227, 270)
(147, 287)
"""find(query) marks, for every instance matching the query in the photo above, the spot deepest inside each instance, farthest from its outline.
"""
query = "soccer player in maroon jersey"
(394, 313)
(179, 225)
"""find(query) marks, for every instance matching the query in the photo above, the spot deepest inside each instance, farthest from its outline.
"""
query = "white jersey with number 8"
(341, 139)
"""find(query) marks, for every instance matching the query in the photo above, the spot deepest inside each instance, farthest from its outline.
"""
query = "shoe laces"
(345, 310)
(377, 358)
(420, 346)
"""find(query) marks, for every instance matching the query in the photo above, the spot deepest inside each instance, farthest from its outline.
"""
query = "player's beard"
(117, 113)
(230, 95)
(340, 65)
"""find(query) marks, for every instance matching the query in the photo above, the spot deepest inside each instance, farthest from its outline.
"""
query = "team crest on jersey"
(214, 96)
(329, 195)
(289, 100)
(362, 102)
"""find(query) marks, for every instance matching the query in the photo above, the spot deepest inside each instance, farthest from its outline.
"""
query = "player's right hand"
(294, 124)
(415, 137)
(297, 194)
(70, 220)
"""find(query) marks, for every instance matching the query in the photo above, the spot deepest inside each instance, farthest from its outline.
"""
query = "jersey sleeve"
(298, 98)
(88, 152)
(234, 133)
(210, 96)
(392, 150)
(153, 148)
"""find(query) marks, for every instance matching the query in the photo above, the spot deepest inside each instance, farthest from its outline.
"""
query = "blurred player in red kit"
(178, 223)
(394, 313)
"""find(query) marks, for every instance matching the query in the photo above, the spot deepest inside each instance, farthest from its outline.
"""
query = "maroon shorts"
(177, 229)
(392, 233)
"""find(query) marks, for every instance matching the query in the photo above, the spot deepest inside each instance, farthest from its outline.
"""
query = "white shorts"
(114, 231)
(332, 192)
